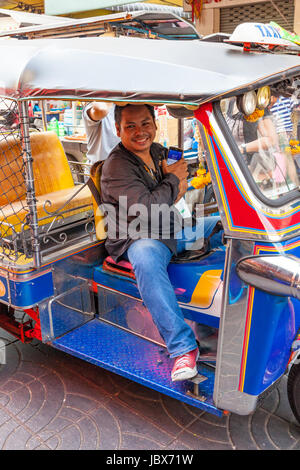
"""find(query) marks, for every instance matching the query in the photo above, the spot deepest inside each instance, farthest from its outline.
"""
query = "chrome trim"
(274, 274)
(226, 393)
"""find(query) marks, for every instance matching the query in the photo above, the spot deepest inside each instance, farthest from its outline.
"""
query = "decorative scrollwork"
(90, 226)
(62, 238)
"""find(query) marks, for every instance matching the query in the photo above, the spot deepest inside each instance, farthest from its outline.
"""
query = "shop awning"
(23, 18)
(153, 7)
(57, 7)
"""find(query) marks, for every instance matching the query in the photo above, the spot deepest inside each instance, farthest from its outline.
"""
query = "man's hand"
(179, 169)
(99, 110)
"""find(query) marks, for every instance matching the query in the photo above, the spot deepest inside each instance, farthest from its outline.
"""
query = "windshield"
(268, 140)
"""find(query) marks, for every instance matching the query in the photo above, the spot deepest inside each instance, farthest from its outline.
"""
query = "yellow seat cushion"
(13, 215)
(50, 167)
(53, 182)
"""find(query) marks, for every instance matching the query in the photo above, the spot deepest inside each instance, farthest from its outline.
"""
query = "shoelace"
(183, 361)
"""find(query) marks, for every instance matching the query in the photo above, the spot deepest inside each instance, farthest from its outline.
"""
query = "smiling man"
(135, 179)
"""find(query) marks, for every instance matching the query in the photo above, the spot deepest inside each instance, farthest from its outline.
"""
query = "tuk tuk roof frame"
(135, 70)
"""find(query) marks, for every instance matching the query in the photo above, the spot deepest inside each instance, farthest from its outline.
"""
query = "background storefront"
(225, 15)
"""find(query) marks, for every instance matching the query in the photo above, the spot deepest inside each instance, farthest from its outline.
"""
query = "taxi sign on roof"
(261, 34)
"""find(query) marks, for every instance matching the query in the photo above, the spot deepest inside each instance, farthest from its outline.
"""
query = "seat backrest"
(50, 167)
(50, 164)
(95, 187)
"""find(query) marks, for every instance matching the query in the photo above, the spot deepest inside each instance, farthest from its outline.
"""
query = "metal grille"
(13, 205)
(264, 12)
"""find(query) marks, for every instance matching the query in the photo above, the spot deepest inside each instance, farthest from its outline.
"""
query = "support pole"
(180, 133)
(44, 116)
(29, 183)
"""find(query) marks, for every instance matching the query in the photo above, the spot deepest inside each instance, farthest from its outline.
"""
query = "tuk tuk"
(241, 298)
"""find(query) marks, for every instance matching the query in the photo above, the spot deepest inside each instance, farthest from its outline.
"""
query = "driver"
(136, 179)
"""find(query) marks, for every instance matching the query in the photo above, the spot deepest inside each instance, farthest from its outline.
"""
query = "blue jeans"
(150, 259)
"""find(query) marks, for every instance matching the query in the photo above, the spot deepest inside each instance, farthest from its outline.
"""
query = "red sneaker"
(185, 366)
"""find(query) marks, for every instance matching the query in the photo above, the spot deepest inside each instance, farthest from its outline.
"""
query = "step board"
(139, 360)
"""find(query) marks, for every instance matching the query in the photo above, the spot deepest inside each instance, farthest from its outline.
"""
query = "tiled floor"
(49, 400)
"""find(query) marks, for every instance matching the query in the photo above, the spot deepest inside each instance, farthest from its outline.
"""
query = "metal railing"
(33, 227)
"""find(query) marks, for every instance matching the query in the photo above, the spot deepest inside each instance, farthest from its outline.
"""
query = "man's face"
(137, 129)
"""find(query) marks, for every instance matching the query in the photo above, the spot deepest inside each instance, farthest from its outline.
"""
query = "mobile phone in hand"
(174, 155)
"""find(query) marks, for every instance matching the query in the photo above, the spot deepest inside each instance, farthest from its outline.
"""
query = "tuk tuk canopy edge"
(161, 23)
(134, 69)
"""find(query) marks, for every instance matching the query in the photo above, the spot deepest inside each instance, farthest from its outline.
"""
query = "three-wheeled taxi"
(57, 283)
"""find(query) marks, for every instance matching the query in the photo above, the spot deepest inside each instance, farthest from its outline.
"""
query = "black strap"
(94, 191)
(217, 228)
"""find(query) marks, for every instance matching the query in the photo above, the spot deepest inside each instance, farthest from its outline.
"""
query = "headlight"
(263, 97)
(246, 103)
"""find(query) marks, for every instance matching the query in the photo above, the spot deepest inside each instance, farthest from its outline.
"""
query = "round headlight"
(263, 97)
(246, 103)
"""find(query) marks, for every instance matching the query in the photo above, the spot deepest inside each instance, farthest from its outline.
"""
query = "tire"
(293, 390)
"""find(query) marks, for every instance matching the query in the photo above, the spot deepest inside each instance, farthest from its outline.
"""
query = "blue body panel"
(22, 292)
(273, 324)
(29, 287)
(271, 337)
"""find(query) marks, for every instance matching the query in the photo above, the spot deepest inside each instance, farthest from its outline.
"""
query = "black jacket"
(126, 181)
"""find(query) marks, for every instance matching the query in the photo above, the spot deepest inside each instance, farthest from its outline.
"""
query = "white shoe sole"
(184, 374)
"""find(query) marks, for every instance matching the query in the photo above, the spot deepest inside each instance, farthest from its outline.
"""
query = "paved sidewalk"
(49, 400)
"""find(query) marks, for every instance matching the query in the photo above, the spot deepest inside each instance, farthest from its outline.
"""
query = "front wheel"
(293, 390)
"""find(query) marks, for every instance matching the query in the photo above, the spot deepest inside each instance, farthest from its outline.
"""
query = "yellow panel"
(170, 3)
(21, 258)
(206, 287)
(98, 214)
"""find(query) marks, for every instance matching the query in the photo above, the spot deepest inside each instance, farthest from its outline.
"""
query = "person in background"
(281, 108)
(252, 133)
(98, 118)
(30, 112)
(36, 108)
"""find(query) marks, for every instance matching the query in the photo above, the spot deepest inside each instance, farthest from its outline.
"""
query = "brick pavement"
(52, 401)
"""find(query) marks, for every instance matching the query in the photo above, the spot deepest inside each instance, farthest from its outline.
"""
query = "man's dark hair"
(119, 109)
